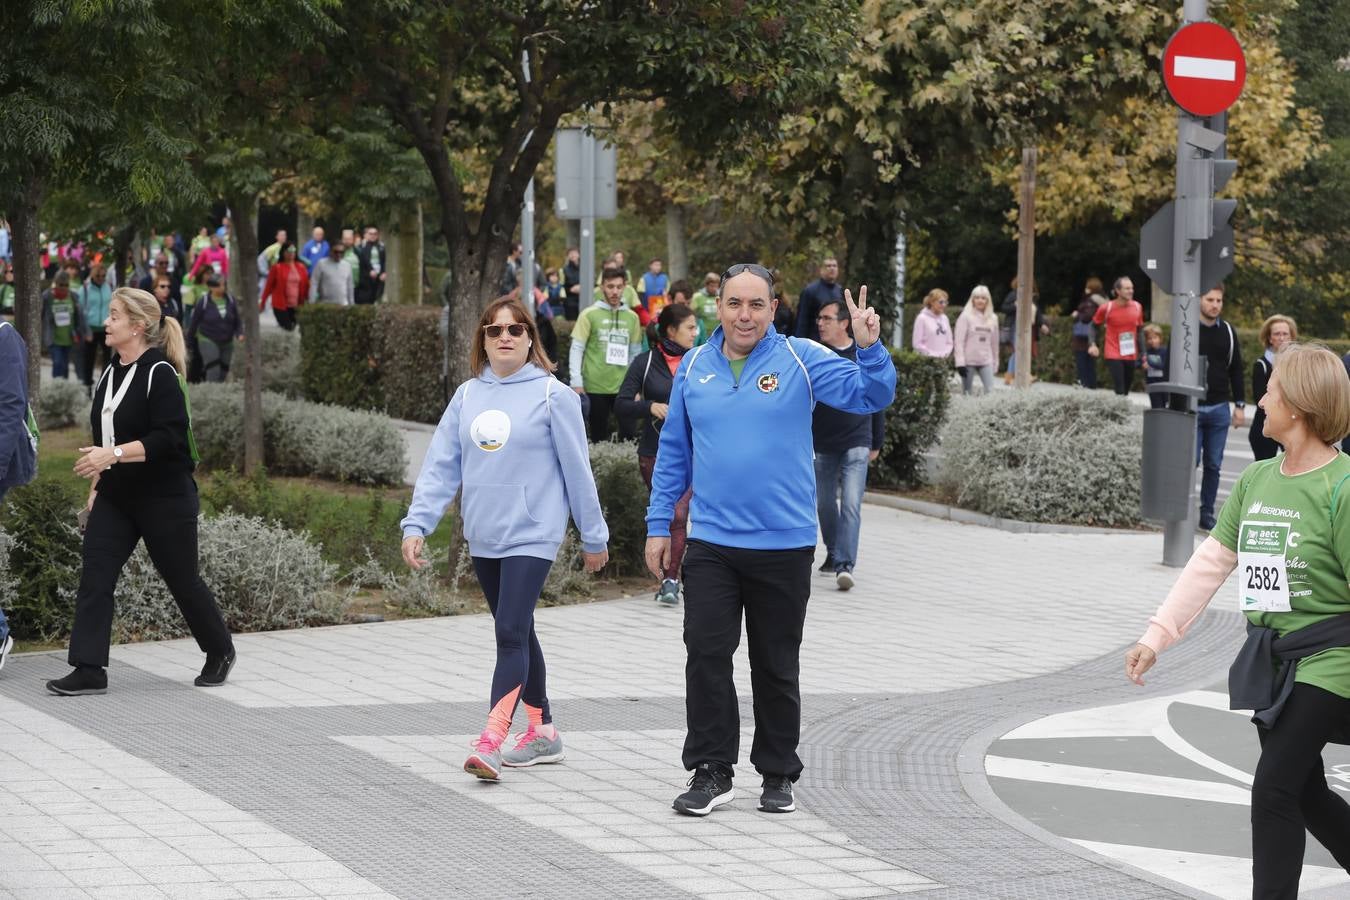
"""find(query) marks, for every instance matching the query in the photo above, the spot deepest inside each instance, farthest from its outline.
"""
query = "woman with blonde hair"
(932, 328)
(977, 340)
(1286, 529)
(1276, 332)
(141, 488)
(513, 441)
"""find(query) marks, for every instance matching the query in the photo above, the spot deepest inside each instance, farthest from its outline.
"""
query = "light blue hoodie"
(518, 448)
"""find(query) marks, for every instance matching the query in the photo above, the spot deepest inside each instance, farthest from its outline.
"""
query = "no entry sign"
(1204, 68)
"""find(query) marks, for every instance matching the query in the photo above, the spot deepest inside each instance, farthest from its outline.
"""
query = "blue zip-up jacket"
(517, 446)
(18, 461)
(746, 448)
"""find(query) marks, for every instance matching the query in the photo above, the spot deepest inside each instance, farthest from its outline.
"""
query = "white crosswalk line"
(1115, 780)
(1229, 877)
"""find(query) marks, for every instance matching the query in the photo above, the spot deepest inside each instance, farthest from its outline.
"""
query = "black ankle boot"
(82, 680)
(216, 670)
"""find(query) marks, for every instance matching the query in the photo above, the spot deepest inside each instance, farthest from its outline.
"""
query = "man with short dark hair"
(738, 432)
(1219, 345)
(606, 338)
(825, 289)
(845, 443)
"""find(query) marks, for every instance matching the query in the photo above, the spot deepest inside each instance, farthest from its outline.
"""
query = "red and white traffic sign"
(1204, 68)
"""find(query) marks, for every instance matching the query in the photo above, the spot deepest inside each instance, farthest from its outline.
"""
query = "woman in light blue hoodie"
(513, 440)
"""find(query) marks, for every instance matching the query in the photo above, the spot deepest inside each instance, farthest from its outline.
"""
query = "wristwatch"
(117, 453)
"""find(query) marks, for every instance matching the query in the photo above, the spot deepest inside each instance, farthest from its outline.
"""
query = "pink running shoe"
(485, 761)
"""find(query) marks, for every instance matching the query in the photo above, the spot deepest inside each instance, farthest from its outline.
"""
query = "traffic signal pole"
(1200, 250)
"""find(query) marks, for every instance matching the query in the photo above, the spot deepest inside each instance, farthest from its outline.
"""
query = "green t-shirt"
(705, 307)
(737, 367)
(630, 296)
(1309, 515)
(63, 319)
(600, 328)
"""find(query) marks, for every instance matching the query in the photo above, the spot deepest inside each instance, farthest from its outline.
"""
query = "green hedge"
(922, 394)
(337, 356)
(383, 357)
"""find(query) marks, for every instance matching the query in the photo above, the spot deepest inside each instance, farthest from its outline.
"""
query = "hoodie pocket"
(498, 514)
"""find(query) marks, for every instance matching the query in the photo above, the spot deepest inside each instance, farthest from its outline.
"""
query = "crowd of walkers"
(728, 537)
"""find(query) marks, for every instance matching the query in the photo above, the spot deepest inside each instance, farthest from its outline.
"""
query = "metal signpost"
(1187, 248)
(586, 190)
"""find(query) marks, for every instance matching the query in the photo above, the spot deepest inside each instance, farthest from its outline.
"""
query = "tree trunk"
(404, 244)
(23, 220)
(472, 286)
(1026, 268)
(677, 246)
(870, 260)
(244, 209)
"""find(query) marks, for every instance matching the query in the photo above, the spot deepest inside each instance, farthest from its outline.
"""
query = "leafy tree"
(450, 75)
(85, 95)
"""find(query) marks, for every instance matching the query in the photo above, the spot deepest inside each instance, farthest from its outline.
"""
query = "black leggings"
(512, 585)
(1122, 375)
(1290, 793)
(168, 525)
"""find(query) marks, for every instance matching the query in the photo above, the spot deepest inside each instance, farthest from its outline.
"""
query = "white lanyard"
(111, 401)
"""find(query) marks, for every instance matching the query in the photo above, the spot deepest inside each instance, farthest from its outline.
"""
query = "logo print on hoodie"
(768, 383)
(490, 430)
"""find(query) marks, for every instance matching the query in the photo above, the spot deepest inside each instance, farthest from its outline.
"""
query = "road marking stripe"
(1229, 877)
(1136, 718)
(1203, 67)
(1115, 780)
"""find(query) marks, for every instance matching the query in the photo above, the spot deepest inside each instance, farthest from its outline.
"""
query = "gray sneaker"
(485, 761)
(669, 592)
(532, 748)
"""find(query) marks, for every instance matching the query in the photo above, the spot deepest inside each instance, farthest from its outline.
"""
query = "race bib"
(616, 349)
(61, 317)
(374, 262)
(218, 268)
(1127, 343)
(1262, 581)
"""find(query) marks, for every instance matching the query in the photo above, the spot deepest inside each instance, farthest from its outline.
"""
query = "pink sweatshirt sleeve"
(1204, 574)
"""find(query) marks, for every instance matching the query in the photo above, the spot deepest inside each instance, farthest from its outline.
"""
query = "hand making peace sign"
(866, 322)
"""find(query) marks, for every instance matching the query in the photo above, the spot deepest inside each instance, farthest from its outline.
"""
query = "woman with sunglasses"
(513, 441)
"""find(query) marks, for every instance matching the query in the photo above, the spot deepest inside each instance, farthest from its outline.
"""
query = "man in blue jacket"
(738, 430)
(18, 436)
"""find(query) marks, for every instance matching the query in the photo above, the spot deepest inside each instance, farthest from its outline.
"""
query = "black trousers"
(771, 587)
(1262, 446)
(1122, 374)
(168, 526)
(285, 318)
(601, 406)
(1290, 793)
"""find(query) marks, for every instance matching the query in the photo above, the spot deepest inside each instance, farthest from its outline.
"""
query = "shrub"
(922, 394)
(623, 497)
(337, 355)
(1063, 458)
(347, 526)
(263, 576)
(300, 438)
(280, 364)
(408, 354)
(44, 557)
(62, 404)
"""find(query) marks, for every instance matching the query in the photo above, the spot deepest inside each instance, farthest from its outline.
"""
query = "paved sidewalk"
(330, 764)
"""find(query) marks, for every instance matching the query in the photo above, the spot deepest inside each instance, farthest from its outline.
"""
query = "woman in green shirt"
(1286, 528)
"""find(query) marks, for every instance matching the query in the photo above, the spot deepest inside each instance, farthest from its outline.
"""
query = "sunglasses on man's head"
(752, 268)
(515, 329)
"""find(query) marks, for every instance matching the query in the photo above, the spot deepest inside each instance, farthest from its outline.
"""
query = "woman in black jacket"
(645, 393)
(1276, 331)
(141, 487)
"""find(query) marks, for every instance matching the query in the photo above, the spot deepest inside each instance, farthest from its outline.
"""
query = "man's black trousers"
(169, 527)
(771, 587)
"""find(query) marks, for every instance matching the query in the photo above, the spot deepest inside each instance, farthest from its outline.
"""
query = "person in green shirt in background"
(349, 255)
(704, 303)
(606, 338)
(63, 324)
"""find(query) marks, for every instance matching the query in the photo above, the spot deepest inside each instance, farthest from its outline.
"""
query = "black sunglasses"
(752, 268)
(515, 329)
